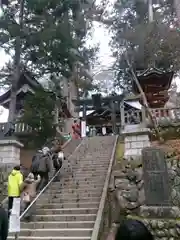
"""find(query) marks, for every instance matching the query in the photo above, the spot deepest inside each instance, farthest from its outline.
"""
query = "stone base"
(136, 138)
(160, 212)
(10, 152)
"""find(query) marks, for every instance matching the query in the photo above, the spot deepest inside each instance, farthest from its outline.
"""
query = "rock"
(141, 198)
(178, 171)
(160, 225)
(153, 224)
(138, 174)
(175, 211)
(121, 201)
(177, 181)
(169, 165)
(140, 185)
(119, 174)
(178, 225)
(173, 232)
(122, 184)
(178, 231)
(161, 234)
(172, 175)
(175, 196)
(131, 195)
(132, 205)
(131, 176)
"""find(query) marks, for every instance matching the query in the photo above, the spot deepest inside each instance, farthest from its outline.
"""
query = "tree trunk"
(177, 9)
(16, 74)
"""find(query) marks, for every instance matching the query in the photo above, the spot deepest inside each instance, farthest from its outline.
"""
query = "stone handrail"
(19, 127)
(168, 113)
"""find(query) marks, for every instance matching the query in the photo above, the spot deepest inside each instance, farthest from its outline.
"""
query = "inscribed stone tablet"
(156, 182)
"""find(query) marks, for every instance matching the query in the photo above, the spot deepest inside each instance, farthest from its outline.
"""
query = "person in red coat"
(76, 131)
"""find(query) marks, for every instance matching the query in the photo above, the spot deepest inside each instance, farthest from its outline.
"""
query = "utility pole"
(17, 61)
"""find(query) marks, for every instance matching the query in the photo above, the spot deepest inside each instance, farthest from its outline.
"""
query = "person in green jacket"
(15, 180)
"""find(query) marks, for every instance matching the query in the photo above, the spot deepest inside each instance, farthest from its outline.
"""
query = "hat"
(31, 176)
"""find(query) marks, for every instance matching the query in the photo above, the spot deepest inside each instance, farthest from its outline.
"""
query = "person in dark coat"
(3, 224)
(131, 229)
(35, 163)
(44, 168)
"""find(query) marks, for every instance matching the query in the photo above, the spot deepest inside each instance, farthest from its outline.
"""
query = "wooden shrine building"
(27, 85)
(155, 84)
(106, 111)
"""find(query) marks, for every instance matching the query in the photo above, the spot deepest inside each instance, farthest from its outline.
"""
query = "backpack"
(35, 163)
(57, 162)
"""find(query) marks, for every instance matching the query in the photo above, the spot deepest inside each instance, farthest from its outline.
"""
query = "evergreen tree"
(145, 43)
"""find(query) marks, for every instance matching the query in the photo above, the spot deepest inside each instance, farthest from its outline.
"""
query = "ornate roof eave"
(152, 70)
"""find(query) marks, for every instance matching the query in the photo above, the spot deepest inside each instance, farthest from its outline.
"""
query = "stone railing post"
(143, 115)
(122, 115)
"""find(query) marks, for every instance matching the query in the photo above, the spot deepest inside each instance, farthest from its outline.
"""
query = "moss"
(143, 218)
(119, 151)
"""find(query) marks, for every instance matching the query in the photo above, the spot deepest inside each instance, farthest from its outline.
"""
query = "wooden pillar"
(122, 114)
(113, 117)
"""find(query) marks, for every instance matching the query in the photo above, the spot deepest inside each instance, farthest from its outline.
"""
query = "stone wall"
(4, 172)
(163, 229)
(129, 193)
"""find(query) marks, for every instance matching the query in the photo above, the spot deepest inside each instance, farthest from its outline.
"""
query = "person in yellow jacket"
(15, 180)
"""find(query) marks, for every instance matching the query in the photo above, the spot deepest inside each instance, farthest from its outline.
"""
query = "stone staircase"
(68, 209)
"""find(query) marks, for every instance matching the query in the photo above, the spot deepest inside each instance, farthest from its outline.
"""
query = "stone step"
(51, 238)
(89, 167)
(65, 217)
(44, 200)
(72, 195)
(69, 205)
(79, 182)
(51, 211)
(54, 232)
(68, 208)
(85, 178)
(66, 224)
(81, 162)
(74, 185)
(74, 190)
(88, 173)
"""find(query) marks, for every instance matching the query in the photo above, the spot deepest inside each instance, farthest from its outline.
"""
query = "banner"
(14, 220)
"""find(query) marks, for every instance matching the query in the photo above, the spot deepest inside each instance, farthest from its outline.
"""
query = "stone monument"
(156, 182)
(158, 212)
